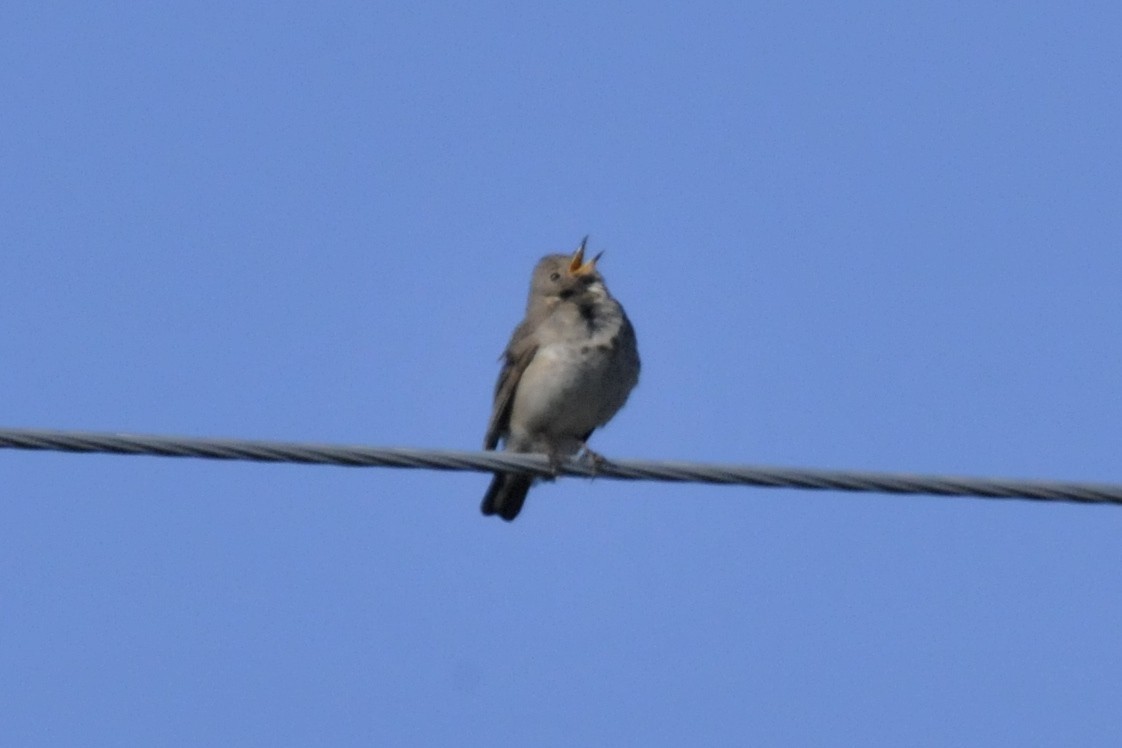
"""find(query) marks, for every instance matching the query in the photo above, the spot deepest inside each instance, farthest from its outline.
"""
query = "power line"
(681, 472)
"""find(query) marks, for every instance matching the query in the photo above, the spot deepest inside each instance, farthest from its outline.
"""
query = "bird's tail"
(506, 494)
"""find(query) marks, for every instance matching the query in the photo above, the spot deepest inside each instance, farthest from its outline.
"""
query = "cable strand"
(679, 472)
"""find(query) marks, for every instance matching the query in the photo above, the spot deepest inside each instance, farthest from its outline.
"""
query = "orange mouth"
(578, 266)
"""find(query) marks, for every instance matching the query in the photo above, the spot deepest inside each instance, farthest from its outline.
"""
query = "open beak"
(578, 266)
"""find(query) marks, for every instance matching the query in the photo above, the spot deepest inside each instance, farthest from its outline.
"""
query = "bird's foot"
(555, 459)
(595, 460)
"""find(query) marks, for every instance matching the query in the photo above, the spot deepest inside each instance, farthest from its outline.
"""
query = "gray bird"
(569, 367)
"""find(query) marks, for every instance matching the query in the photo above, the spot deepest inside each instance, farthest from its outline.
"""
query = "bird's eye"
(555, 276)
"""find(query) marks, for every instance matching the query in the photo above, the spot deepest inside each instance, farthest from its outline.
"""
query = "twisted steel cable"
(681, 472)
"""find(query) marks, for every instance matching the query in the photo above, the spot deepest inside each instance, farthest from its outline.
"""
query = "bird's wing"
(516, 358)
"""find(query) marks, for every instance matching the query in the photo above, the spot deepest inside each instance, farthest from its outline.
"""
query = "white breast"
(579, 377)
(561, 396)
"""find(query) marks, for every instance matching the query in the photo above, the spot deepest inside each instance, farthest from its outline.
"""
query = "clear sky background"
(881, 236)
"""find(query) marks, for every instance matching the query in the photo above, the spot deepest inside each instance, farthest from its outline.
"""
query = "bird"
(569, 367)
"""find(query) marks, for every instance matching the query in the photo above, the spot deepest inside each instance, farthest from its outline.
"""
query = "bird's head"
(565, 277)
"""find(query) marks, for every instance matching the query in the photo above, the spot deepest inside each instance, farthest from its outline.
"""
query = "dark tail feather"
(506, 494)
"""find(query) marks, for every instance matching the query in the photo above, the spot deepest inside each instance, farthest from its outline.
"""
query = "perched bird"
(569, 367)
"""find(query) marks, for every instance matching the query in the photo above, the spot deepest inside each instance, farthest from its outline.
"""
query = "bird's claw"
(555, 460)
(595, 460)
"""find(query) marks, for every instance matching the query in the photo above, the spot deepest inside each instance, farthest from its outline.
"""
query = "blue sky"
(878, 236)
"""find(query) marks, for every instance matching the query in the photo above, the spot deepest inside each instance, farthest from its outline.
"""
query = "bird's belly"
(567, 390)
